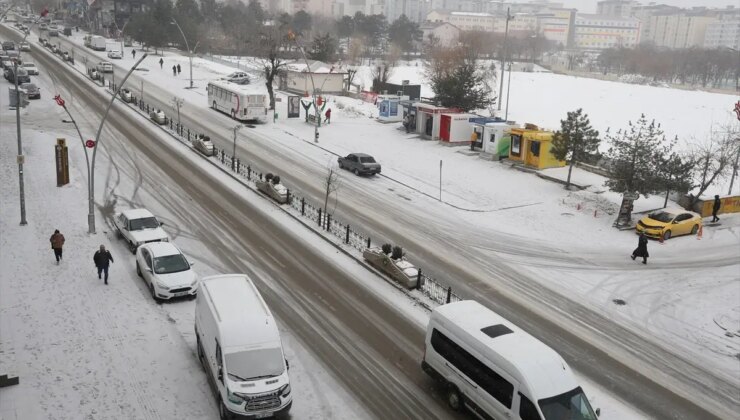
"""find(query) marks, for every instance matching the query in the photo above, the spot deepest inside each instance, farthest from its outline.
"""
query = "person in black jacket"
(715, 208)
(641, 250)
(102, 259)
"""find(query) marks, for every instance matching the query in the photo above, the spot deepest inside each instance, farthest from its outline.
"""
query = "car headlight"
(161, 285)
(285, 390)
(194, 282)
(235, 397)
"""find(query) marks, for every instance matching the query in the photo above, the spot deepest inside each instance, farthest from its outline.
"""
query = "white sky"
(589, 6)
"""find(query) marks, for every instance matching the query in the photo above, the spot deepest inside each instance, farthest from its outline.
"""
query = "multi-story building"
(682, 29)
(465, 21)
(644, 14)
(413, 10)
(615, 8)
(445, 33)
(598, 32)
(557, 24)
(723, 32)
(341, 8)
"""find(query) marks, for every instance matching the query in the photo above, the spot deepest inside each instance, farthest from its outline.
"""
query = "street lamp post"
(503, 59)
(292, 36)
(190, 52)
(233, 154)
(20, 143)
(91, 164)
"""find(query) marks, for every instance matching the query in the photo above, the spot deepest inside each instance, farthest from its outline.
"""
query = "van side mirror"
(598, 412)
(287, 365)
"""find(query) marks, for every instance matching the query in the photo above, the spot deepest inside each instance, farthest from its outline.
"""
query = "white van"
(497, 370)
(97, 43)
(240, 349)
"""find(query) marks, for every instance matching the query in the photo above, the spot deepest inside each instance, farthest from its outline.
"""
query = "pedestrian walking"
(406, 123)
(179, 70)
(161, 63)
(641, 250)
(328, 116)
(102, 259)
(174, 70)
(133, 54)
(57, 241)
(715, 208)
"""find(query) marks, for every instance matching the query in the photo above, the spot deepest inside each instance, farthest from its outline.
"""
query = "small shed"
(428, 118)
(492, 137)
(531, 146)
(455, 128)
(389, 109)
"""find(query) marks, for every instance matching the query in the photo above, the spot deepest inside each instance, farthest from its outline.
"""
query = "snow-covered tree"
(714, 159)
(323, 48)
(458, 80)
(675, 173)
(575, 140)
(634, 155)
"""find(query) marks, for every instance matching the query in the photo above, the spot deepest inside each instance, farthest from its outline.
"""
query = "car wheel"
(138, 269)
(233, 114)
(154, 293)
(132, 247)
(200, 351)
(667, 235)
(341, 166)
(357, 172)
(694, 229)
(454, 400)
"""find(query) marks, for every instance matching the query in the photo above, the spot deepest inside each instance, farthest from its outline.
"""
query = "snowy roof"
(471, 14)
(243, 316)
(542, 369)
(137, 213)
(313, 66)
(253, 88)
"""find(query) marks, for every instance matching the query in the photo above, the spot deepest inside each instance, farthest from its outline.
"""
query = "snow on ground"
(578, 222)
(700, 298)
(84, 350)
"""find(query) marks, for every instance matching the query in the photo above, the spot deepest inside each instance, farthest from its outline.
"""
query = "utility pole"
(190, 52)
(503, 59)
(20, 158)
(293, 37)
(233, 155)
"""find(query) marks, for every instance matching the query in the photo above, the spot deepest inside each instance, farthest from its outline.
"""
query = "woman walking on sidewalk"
(641, 250)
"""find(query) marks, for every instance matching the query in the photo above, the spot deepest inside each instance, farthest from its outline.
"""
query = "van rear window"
(498, 387)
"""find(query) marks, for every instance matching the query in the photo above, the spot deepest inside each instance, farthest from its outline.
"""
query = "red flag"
(59, 100)
(44, 12)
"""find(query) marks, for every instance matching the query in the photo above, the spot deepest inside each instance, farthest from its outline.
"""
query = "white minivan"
(239, 346)
(497, 370)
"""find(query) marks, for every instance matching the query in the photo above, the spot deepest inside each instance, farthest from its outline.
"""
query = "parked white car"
(104, 67)
(126, 95)
(115, 54)
(166, 271)
(139, 226)
(31, 68)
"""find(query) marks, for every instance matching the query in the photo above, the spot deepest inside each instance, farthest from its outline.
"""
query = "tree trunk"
(665, 203)
(570, 169)
(270, 92)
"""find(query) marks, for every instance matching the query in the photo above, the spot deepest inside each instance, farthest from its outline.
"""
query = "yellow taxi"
(669, 223)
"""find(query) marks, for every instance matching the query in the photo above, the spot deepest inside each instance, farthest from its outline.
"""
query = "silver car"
(32, 90)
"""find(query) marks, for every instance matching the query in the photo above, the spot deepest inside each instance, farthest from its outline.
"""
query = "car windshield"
(367, 159)
(662, 216)
(255, 364)
(143, 223)
(572, 405)
(170, 264)
(29, 86)
(29, 65)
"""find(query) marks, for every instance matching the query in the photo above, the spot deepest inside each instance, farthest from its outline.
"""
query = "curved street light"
(190, 52)
(294, 38)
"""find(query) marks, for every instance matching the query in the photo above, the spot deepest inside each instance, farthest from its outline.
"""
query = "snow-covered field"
(681, 298)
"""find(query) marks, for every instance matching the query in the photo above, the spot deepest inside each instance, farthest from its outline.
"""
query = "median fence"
(348, 235)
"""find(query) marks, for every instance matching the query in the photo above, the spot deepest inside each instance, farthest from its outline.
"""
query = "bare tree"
(269, 46)
(331, 183)
(713, 161)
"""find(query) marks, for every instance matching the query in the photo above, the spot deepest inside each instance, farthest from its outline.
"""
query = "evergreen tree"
(323, 48)
(301, 22)
(634, 155)
(575, 140)
(457, 79)
(404, 33)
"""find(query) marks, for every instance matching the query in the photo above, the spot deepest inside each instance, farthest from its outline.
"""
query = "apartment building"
(557, 24)
(723, 32)
(598, 32)
(615, 8)
(683, 29)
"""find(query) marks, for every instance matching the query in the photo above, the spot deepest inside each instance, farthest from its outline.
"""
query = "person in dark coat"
(102, 259)
(57, 241)
(328, 116)
(715, 208)
(179, 69)
(133, 54)
(641, 250)
(174, 70)
(161, 63)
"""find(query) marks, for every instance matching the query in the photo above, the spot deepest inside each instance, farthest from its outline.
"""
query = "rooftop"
(137, 213)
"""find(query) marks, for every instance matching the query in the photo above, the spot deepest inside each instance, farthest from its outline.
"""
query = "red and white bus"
(241, 102)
